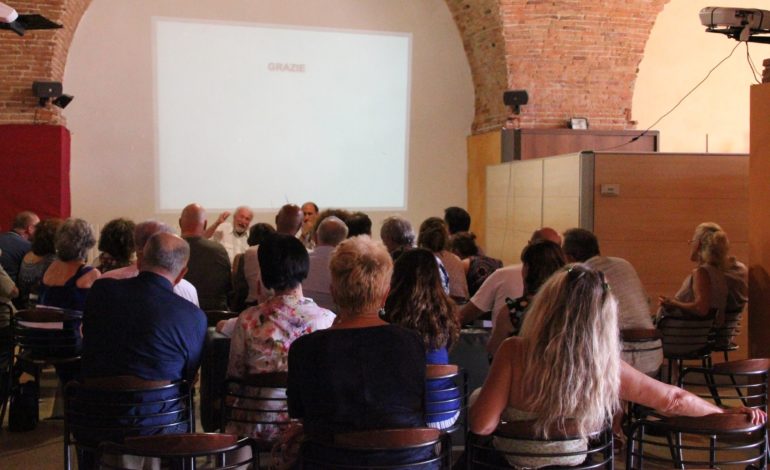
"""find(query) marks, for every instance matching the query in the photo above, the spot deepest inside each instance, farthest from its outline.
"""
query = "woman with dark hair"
(264, 333)
(116, 243)
(36, 261)
(257, 234)
(434, 236)
(477, 266)
(539, 261)
(418, 302)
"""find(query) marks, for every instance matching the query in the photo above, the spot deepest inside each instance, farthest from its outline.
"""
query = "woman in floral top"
(264, 333)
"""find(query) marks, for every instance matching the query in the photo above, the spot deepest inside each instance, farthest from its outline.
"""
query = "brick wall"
(574, 57)
(37, 56)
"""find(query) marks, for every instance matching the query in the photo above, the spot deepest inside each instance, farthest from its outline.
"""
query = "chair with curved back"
(686, 338)
(722, 337)
(111, 409)
(256, 406)
(447, 394)
(403, 448)
(182, 451)
(734, 383)
(517, 443)
(712, 441)
(639, 344)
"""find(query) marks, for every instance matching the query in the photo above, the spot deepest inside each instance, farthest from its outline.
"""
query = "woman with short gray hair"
(66, 282)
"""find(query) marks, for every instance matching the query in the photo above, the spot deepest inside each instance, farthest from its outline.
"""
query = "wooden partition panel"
(483, 150)
(663, 197)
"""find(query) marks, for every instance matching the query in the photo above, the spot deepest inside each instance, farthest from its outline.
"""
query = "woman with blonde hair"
(705, 289)
(566, 365)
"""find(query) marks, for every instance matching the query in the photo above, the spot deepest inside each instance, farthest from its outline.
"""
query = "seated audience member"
(434, 236)
(361, 373)
(477, 266)
(397, 235)
(706, 287)
(309, 216)
(359, 223)
(68, 279)
(582, 246)
(539, 261)
(331, 231)
(36, 262)
(116, 244)
(288, 221)
(263, 335)
(257, 234)
(504, 283)
(14, 244)
(139, 329)
(418, 302)
(8, 291)
(209, 266)
(457, 220)
(142, 232)
(233, 237)
(590, 380)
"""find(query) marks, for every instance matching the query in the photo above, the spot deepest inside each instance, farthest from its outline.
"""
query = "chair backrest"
(734, 383)
(47, 333)
(686, 336)
(214, 316)
(255, 405)
(215, 451)
(412, 448)
(722, 335)
(516, 443)
(713, 441)
(96, 414)
(446, 397)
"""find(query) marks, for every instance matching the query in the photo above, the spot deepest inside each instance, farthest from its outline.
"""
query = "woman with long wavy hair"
(417, 301)
(566, 365)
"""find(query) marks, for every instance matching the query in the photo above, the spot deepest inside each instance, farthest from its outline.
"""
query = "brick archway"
(574, 57)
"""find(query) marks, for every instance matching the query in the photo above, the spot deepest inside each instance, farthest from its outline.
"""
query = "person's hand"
(220, 326)
(756, 416)
(664, 301)
(222, 217)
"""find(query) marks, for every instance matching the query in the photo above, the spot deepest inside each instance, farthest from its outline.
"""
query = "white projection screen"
(262, 115)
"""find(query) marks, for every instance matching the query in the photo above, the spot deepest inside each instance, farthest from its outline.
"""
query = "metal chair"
(407, 448)
(447, 394)
(256, 406)
(181, 451)
(7, 347)
(112, 409)
(686, 338)
(743, 383)
(640, 343)
(722, 336)
(517, 443)
(713, 441)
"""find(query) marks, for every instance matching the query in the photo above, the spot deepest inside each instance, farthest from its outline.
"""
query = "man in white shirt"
(504, 282)
(331, 231)
(232, 236)
(142, 232)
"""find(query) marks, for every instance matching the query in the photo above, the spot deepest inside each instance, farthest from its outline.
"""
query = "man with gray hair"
(138, 327)
(142, 232)
(232, 236)
(331, 231)
(397, 235)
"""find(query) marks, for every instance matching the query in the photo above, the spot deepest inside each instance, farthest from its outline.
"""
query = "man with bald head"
(209, 265)
(138, 327)
(232, 236)
(331, 231)
(288, 221)
(142, 232)
(501, 284)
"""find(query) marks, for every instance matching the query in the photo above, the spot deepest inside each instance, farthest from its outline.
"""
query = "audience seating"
(258, 399)
(460, 386)
(686, 338)
(181, 451)
(482, 454)
(215, 316)
(6, 361)
(713, 441)
(644, 340)
(722, 336)
(382, 448)
(114, 408)
(735, 383)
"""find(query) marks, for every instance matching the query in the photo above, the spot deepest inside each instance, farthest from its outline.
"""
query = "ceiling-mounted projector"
(742, 24)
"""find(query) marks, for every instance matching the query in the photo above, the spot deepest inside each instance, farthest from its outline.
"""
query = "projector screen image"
(264, 115)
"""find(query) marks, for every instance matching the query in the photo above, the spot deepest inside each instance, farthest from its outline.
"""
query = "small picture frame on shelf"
(578, 123)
